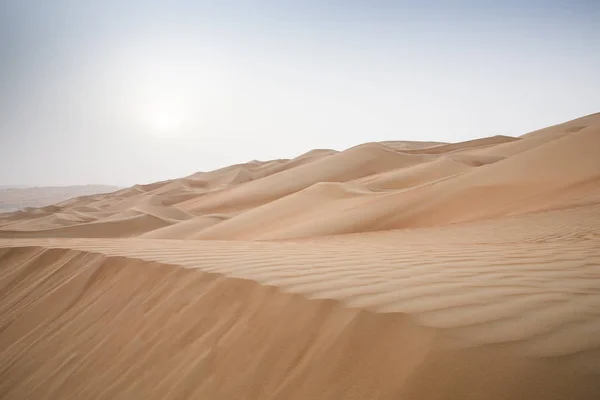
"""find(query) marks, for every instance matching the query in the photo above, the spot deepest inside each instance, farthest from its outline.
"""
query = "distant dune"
(392, 270)
(16, 198)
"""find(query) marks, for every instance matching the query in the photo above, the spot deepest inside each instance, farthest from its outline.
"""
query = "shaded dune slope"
(126, 226)
(225, 335)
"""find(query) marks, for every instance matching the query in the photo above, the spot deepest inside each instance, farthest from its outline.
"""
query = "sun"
(168, 90)
(164, 119)
(165, 123)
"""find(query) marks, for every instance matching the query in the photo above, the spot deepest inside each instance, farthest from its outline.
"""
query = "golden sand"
(394, 270)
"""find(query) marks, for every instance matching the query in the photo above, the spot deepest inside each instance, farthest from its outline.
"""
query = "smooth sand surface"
(393, 270)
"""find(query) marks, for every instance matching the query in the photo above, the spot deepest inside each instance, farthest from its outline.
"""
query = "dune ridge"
(387, 185)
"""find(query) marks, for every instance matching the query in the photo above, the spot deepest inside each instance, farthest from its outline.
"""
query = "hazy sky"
(124, 92)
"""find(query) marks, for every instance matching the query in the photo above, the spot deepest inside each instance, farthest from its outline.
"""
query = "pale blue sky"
(124, 92)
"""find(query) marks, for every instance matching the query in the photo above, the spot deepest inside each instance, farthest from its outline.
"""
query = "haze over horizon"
(165, 89)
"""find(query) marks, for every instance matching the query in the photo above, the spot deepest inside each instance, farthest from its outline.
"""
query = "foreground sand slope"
(503, 309)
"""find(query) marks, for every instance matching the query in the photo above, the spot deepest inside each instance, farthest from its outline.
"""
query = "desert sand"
(392, 270)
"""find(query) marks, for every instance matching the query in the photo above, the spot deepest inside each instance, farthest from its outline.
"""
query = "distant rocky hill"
(15, 198)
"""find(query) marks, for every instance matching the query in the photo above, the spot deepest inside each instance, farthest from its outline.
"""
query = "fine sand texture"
(392, 270)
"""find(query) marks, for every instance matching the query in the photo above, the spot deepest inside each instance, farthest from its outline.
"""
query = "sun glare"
(164, 122)
(164, 92)
(164, 117)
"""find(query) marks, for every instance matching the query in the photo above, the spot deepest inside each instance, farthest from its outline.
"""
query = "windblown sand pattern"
(392, 270)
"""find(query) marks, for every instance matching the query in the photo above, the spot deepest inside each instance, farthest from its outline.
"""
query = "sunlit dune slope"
(186, 230)
(370, 187)
(341, 167)
(560, 173)
(447, 148)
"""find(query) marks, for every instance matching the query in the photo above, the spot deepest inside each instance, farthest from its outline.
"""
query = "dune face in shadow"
(393, 270)
(97, 325)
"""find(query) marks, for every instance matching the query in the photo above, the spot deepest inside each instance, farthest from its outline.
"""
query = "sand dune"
(125, 226)
(18, 198)
(413, 176)
(154, 206)
(363, 321)
(448, 148)
(14, 217)
(311, 212)
(524, 183)
(392, 270)
(348, 165)
(565, 128)
(182, 185)
(189, 229)
(476, 160)
(54, 220)
(410, 145)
